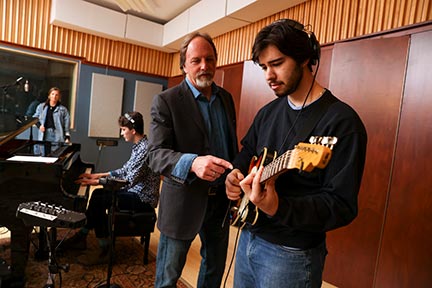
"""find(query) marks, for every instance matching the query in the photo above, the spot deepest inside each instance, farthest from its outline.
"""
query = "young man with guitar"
(297, 197)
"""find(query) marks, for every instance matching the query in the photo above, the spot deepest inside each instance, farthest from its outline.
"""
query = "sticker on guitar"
(304, 157)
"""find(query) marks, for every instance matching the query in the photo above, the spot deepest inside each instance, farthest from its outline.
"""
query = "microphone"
(17, 81)
(26, 86)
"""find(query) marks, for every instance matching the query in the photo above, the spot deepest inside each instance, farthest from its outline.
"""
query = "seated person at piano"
(54, 118)
(141, 193)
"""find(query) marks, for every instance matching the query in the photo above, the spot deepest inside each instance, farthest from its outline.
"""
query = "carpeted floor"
(128, 270)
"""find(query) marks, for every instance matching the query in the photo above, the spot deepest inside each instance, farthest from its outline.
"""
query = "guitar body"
(304, 157)
(244, 211)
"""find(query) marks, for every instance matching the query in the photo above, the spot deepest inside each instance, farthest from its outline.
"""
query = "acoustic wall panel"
(144, 92)
(105, 106)
(137, 32)
(80, 16)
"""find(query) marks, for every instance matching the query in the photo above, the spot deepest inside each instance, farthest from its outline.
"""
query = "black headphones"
(313, 42)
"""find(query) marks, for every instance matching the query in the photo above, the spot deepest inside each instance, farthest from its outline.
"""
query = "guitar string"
(276, 165)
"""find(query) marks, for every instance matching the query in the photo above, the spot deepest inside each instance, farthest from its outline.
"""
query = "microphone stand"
(53, 266)
(5, 88)
(113, 185)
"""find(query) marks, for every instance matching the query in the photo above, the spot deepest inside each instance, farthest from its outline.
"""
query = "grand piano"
(39, 170)
(36, 171)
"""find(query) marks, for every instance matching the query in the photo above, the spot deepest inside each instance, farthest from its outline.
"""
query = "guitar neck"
(277, 166)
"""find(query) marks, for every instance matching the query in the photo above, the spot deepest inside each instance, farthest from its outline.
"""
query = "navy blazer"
(177, 127)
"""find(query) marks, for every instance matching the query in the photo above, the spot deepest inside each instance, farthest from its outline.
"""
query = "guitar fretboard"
(278, 165)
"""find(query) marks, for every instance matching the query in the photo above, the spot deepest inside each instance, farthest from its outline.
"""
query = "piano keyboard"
(82, 191)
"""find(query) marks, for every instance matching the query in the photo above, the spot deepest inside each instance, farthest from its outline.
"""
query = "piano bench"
(134, 223)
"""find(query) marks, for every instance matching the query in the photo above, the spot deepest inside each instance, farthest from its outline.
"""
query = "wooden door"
(368, 75)
(230, 78)
(405, 258)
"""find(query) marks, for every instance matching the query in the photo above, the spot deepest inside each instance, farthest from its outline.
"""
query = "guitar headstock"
(316, 154)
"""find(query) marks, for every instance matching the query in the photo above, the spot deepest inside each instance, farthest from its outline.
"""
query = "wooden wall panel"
(406, 253)
(255, 93)
(232, 76)
(172, 81)
(324, 69)
(26, 23)
(331, 20)
(368, 75)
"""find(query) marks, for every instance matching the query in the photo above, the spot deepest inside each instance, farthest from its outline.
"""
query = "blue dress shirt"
(217, 127)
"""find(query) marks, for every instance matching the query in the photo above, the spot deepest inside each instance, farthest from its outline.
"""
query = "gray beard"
(205, 83)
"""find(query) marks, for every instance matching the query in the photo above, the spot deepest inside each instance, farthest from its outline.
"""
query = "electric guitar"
(304, 157)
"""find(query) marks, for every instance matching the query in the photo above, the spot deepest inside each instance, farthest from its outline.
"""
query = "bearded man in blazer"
(192, 141)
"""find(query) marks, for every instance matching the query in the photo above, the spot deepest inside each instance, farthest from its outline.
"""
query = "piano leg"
(41, 253)
(19, 243)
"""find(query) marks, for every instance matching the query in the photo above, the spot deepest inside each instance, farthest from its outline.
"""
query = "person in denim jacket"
(54, 118)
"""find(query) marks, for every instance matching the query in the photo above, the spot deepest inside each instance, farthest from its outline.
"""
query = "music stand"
(113, 185)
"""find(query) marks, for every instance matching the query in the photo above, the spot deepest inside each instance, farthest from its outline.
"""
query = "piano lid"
(12, 125)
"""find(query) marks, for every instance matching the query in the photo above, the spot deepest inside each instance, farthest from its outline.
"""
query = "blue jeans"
(262, 264)
(171, 254)
(50, 135)
(50, 145)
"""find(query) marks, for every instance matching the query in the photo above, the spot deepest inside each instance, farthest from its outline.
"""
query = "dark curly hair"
(291, 38)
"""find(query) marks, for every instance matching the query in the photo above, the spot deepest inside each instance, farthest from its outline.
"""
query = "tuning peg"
(329, 141)
(313, 140)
